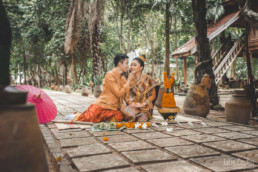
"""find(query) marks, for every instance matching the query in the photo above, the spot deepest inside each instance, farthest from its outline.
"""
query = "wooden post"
(177, 68)
(185, 71)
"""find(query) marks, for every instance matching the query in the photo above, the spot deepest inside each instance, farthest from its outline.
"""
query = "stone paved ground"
(218, 146)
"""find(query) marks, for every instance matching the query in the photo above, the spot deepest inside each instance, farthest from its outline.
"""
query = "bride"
(140, 99)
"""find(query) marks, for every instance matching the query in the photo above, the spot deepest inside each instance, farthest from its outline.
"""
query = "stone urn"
(85, 91)
(52, 87)
(97, 90)
(61, 88)
(68, 89)
(197, 101)
(159, 98)
(238, 107)
(56, 88)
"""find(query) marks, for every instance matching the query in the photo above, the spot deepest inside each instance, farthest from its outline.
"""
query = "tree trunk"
(122, 8)
(129, 28)
(251, 88)
(96, 58)
(175, 28)
(203, 49)
(166, 67)
(86, 69)
(20, 76)
(75, 79)
(250, 15)
(65, 74)
(152, 57)
(24, 60)
(5, 45)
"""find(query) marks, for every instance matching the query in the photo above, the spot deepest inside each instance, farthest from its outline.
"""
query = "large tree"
(72, 32)
(97, 13)
(203, 49)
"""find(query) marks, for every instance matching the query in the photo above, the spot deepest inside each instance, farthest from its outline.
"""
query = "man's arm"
(114, 87)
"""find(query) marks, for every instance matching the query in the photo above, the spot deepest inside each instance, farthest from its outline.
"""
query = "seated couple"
(139, 92)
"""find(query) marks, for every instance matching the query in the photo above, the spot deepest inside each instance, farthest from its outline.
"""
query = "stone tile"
(80, 109)
(99, 162)
(190, 151)
(87, 150)
(253, 170)
(238, 128)
(107, 133)
(184, 132)
(138, 131)
(252, 141)
(164, 129)
(222, 163)
(148, 156)
(134, 145)
(78, 141)
(68, 135)
(151, 135)
(165, 142)
(203, 138)
(55, 130)
(252, 156)
(230, 145)
(181, 166)
(188, 126)
(252, 132)
(233, 135)
(217, 124)
(130, 169)
(211, 130)
(59, 117)
(51, 125)
(117, 138)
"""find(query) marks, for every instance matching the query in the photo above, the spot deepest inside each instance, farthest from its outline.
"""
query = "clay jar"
(238, 107)
(85, 91)
(197, 101)
(160, 96)
(97, 91)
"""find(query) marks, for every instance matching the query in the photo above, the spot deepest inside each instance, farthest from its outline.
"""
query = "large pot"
(197, 101)
(85, 91)
(238, 107)
(97, 91)
(160, 96)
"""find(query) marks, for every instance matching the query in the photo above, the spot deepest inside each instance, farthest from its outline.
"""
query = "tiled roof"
(212, 31)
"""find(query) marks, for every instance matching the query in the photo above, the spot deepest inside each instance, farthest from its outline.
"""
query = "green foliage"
(241, 69)
(98, 79)
(38, 32)
(214, 10)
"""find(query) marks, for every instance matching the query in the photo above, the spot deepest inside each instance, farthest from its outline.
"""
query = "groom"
(106, 107)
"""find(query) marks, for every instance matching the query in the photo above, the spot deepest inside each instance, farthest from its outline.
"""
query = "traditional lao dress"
(107, 106)
(143, 90)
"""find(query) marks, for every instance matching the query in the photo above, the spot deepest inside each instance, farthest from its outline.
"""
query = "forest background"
(74, 41)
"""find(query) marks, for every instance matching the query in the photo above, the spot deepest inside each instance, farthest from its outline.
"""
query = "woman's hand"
(130, 77)
(138, 105)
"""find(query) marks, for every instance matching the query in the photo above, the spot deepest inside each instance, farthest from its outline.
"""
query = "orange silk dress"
(107, 105)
